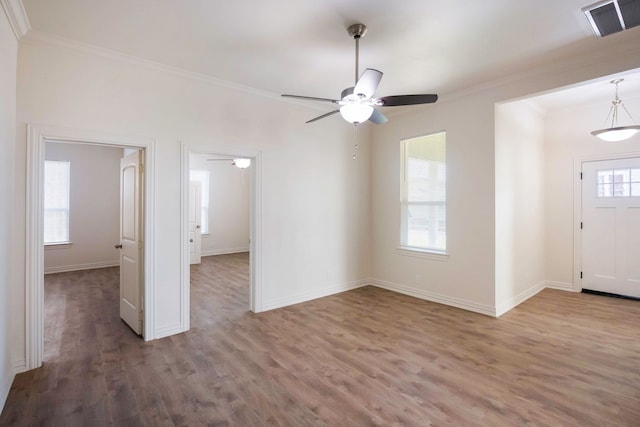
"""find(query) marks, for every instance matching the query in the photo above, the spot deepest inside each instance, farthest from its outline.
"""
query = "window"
(423, 194)
(619, 183)
(56, 202)
(202, 176)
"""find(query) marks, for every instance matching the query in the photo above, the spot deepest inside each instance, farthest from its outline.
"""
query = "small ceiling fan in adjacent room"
(357, 103)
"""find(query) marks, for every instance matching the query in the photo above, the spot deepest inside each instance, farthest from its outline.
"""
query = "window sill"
(57, 245)
(422, 253)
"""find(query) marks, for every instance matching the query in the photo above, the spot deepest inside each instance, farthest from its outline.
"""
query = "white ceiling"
(301, 46)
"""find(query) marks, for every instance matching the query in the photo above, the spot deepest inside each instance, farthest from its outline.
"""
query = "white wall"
(315, 198)
(519, 203)
(229, 198)
(567, 137)
(468, 278)
(9, 55)
(94, 202)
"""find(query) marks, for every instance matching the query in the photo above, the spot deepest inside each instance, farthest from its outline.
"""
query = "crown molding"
(17, 17)
(41, 38)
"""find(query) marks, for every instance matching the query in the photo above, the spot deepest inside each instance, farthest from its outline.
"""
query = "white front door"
(131, 241)
(195, 231)
(611, 226)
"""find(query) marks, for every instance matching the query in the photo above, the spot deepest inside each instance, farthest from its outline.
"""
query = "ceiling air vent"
(611, 16)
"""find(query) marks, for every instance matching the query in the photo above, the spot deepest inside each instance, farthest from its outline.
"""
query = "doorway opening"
(37, 140)
(220, 212)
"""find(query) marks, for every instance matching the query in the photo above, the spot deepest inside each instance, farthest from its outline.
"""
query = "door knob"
(197, 226)
(191, 240)
(118, 246)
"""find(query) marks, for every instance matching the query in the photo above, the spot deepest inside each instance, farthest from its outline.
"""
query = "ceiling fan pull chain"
(355, 143)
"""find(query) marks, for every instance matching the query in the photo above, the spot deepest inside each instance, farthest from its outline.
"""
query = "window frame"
(404, 248)
(67, 241)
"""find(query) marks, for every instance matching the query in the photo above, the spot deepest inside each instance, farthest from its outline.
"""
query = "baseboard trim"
(167, 331)
(562, 286)
(20, 366)
(437, 298)
(78, 267)
(503, 307)
(227, 251)
(320, 293)
(5, 386)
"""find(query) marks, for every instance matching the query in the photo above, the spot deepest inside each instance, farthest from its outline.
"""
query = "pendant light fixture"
(615, 132)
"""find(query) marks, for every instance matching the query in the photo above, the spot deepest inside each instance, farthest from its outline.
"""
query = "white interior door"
(611, 226)
(131, 241)
(195, 230)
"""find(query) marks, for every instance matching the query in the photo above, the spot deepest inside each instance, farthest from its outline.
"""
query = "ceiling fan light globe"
(356, 113)
(242, 163)
(616, 133)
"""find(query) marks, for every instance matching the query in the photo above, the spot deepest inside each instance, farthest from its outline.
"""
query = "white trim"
(34, 274)
(36, 137)
(5, 386)
(577, 207)
(438, 298)
(255, 236)
(17, 17)
(561, 286)
(255, 232)
(19, 366)
(422, 253)
(79, 267)
(185, 269)
(504, 306)
(213, 252)
(42, 38)
(57, 245)
(319, 293)
(166, 331)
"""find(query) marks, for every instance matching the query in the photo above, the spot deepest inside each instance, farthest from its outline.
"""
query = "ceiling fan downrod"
(357, 31)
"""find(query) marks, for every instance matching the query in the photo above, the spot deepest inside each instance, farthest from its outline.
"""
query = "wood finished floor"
(365, 357)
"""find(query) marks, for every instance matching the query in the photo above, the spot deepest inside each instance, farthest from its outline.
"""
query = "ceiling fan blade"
(368, 82)
(378, 118)
(311, 98)
(323, 116)
(397, 100)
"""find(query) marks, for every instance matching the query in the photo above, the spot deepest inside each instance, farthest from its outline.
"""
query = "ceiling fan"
(357, 103)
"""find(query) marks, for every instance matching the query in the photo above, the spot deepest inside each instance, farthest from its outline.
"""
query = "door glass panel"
(621, 183)
(635, 189)
(618, 182)
(604, 183)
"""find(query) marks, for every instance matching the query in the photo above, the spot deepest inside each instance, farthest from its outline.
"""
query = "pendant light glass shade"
(615, 132)
(356, 113)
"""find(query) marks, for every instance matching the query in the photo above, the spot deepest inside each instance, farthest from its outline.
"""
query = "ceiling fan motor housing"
(357, 31)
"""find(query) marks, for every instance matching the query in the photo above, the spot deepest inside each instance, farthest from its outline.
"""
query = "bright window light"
(202, 176)
(56, 201)
(423, 193)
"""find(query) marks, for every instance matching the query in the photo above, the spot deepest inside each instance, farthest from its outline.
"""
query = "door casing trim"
(255, 219)
(37, 136)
